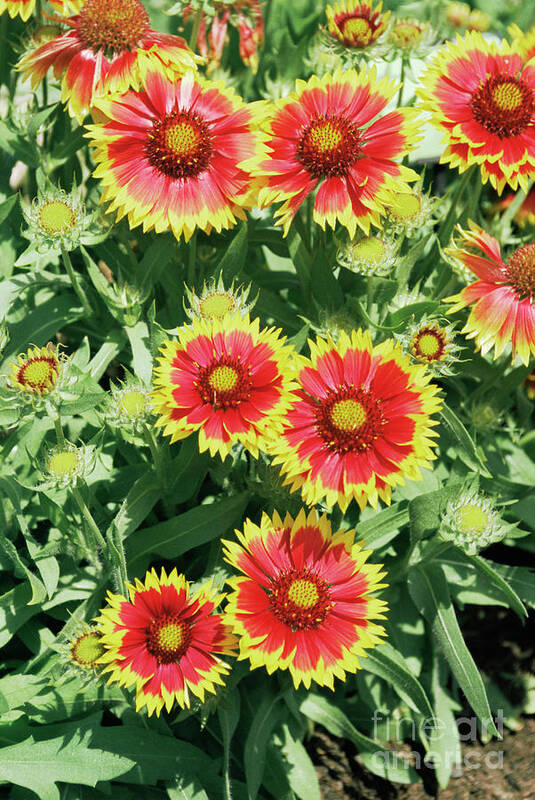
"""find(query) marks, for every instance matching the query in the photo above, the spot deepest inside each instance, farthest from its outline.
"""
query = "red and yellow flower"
(304, 604)
(35, 372)
(524, 43)
(356, 23)
(246, 16)
(483, 97)
(322, 137)
(165, 641)
(227, 379)
(502, 299)
(21, 8)
(109, 48)
(170, 157)
(526, 213)
(361, 423)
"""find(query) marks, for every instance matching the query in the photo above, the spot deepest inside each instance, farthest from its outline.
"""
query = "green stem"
(447, 226)
(402, 81)
(369, 293)
(432, 551)
(195, 29)
(88, 517)
(508, 216)
(156, 453)
(192, 259)
(75, 283)
(115, 543)
(60, 436)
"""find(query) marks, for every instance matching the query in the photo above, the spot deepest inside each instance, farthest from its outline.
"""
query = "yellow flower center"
(429, 344)
(325, 137)
(358, 30)
(507, 96)
(216, 305)
(472, 519)
(63, 463)
(171, 636)
(348, 415)
(56, 217)
(182, 137)
(223, 379)
(369, 249)
(406, 34)
(406, 207)
(132, 403)
(87, 649)
(303, 593)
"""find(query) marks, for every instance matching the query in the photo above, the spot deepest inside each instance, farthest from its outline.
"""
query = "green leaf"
(488, 570)
(139, 338)
(156, 258)
(444, 741)
(69, 757)
(429, 590)
(325, 288)
(187, 788)
(521, 580)
(387, 663)
(425, 511)
(16, 690)
(380, 760)
(15, 611)
(382, 523)
(300, 769)
(468, 450)
(254, 756)
(137, 504)
(193, 528)
(234, 258)
(300, 258)
(40, 118)
(228, 712)
(6, 207)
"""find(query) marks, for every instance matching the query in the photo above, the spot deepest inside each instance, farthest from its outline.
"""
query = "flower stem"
(156, 455)
(402, 81)
(60, 436)
(192, 259)
(195, 29)
(447, 226)
(88, 517)
(75, 283)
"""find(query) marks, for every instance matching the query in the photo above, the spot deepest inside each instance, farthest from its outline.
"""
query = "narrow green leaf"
(444, 741)
(254, 755)
(425, 511)
(40, 118)
(300, 258)
(6, 207)
(387, 663)
(300, 769)
(381, 761)
(382, 522)
(138, 336)
(472, 457)
(488, 569)
(137, 504)
(233, 260)
(429, 590)
(193, 528)
(521, 580)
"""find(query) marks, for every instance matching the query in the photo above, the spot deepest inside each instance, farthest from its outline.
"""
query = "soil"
(498, 770)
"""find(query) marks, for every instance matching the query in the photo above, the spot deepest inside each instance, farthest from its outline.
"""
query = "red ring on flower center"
(225, 383)
(300, 599)
(112, 25)
(504, 106)
(179, 145)
(38, 374)
(429, 344)
(349, 420)
(520, 269)
(328, 146)
(168, 638)
(357, 31)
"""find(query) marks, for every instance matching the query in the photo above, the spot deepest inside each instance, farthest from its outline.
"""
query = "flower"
(523, 43)
(478, 20)
(65, 465)
(410, 212)
(356, 23)
(321, 136)
(304, 603)
(227, 379)
(361, 423)
(502, 298)
(165, 641)
(457, 14)
(129, 404)
(80, 647)
(58, 220)
(85, 649)
(483, 98)
(526, 213)
(369, 255)
(246, 16)
(109, 48)
(216, 302)
(22, 8)
(170, 156)
(472, 522)
(411, 37)
(432, 344)
(35, 373)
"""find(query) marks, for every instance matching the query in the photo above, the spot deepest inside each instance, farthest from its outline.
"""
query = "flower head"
(472, 522)
(227, 379)
(457, 14)
(362, 422)
(356, 24)
(80, 649)
(165, 640)
(483, 98)
(369, 255)
(35, 373)
(503, 312)
(410, 212)
(411, 37)
(57, 220)
(129, 404)
(65, 465)
(170, 156)
(478, 21)
(216, 302)
(321, 138)
(109, 48)
(304, 604)
(433, 344)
